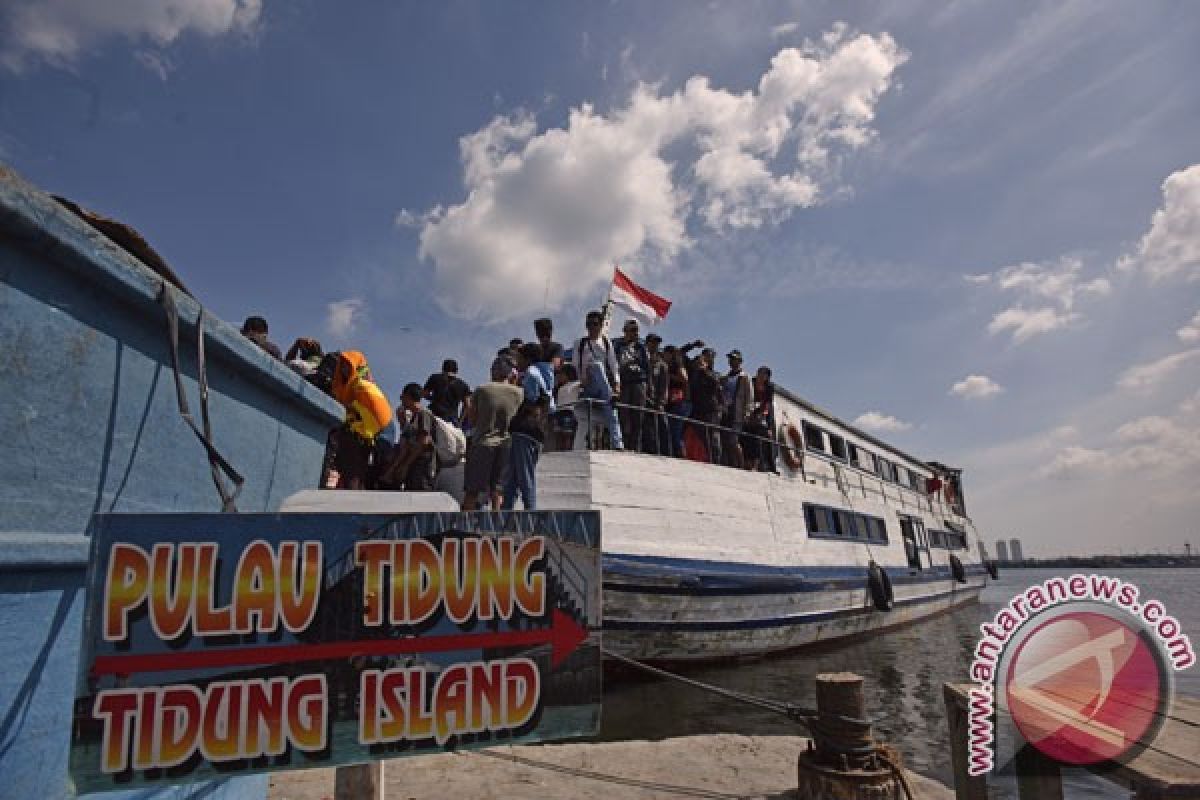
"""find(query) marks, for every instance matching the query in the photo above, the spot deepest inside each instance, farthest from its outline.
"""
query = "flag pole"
(606, 309)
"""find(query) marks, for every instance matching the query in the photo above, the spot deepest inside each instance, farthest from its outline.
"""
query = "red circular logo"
(1085, 687)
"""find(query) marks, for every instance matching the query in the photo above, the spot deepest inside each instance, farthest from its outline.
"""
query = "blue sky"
(883, 201)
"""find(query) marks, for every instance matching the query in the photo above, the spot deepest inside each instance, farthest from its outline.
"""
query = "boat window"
(820, 520)
(839, 523)
(887, 470)
(916, 481)
(814, 438)
(863, 459)
(837, 446)
(900, 475)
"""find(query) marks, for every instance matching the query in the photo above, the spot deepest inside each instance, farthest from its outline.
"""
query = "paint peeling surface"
(91, 423)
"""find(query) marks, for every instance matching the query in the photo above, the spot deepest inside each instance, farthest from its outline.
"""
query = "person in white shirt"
(596, 362)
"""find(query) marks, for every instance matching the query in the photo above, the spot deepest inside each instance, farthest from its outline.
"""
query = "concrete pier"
(715, 766)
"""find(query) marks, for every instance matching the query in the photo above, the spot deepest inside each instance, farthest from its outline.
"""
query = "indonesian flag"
(639, 302)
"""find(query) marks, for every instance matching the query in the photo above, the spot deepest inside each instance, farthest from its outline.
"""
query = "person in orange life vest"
(368, 412)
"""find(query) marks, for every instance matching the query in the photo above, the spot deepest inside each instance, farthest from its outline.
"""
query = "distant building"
(1014, 550)
(1001, 550)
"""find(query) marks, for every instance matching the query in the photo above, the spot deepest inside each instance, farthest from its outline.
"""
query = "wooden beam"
(359, 782)
(966, 787)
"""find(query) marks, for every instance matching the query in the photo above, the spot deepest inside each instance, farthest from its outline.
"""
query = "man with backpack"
(528, 431)
(447, 393)
(596, 363)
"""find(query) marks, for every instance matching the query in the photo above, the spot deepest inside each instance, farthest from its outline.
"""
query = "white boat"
(706, 562)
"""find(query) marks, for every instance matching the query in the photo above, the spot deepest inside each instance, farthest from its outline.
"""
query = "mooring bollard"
(844, 762)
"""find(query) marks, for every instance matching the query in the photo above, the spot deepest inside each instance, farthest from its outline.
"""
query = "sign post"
(218, 645)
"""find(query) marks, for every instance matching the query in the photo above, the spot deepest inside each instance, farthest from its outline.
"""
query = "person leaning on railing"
(368, 412)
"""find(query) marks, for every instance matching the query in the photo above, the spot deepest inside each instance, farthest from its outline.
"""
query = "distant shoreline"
(1106, 562)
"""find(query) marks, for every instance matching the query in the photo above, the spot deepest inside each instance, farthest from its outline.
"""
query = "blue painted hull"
(675, 609)
(90, 423)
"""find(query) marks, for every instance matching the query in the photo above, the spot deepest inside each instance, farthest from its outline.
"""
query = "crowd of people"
(624, 393)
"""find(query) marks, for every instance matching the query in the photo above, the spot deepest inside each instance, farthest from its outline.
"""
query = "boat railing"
(595, 416)
(841, 475)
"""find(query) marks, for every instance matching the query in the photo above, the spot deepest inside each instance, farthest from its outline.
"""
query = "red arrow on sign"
(563, 636)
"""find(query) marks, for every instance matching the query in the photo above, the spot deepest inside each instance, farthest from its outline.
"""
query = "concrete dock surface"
(715, 766)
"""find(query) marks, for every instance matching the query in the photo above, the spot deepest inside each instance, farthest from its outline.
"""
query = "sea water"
(903, 670)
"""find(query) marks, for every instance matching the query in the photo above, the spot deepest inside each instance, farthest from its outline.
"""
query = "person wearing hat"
(658, 435)
(633, 365)
(739, 396)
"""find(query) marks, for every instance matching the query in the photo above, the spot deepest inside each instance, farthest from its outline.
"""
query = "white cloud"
(156, 62)
(1060, 283)
(1146, 444)
(344, 315)
(883, 423)
(784, 29)
(1026, 323)
(976, 386)
(1073, 460)
(547, 214)
(1146, 376)
(1172, 245)
(1191, 331)
(59, 31)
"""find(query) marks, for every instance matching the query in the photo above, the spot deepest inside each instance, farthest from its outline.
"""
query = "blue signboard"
(219, 644)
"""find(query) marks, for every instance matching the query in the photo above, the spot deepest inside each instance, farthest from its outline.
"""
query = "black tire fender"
(879, 586)
(957, 569)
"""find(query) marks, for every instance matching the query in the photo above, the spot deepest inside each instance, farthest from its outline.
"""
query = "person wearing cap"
(634, 369)
(658, 435)
(596, 363)
(738, 396)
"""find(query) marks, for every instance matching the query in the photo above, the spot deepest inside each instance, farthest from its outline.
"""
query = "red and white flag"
(639, 302)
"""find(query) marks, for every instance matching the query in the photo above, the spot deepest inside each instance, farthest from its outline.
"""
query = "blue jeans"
(522, 473)
(603, 410)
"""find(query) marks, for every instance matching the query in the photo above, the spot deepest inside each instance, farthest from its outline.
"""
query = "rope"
(828, 728)
(217, 463)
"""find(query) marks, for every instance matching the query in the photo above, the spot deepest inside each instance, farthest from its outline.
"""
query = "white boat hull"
(705, 562)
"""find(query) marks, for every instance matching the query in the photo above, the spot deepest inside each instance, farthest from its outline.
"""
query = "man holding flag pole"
(595, 356)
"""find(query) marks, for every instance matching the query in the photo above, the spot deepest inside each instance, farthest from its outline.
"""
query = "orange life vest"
(367, 408)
